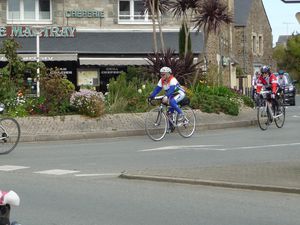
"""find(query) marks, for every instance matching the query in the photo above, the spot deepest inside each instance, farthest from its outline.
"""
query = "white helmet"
(10, 198)
(165, 69)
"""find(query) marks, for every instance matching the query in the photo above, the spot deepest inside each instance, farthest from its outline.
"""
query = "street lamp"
(37, 31)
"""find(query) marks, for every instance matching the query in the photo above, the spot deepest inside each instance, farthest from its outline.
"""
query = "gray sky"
(282, 17)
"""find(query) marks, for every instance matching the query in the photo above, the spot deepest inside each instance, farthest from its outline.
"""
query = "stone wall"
(258, 26)
(110, 20)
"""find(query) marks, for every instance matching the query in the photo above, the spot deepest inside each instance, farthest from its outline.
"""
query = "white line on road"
(98, 175)
(57, 172)
(259, 146)
(12, 167)
(211, 147)
(180, 147)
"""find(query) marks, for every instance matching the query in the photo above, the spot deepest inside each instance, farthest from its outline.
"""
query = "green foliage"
(183, 68)
(88, 102)
(127, 96)
(182, 37)
(247, 101)
(8, 90)
(56, 90)
(36, 106)
(213, 76)
(217, 99)
(288, 58)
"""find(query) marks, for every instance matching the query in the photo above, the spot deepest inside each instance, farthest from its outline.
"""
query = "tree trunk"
(152, 3)
(202, 55)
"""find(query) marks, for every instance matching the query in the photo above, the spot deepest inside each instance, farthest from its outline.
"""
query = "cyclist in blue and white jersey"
(174, 93)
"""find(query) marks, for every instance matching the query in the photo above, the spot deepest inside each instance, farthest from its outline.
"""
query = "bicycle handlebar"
(150, 100)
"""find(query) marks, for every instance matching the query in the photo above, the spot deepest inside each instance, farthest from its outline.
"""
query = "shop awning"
(113, 61)
(44, 57)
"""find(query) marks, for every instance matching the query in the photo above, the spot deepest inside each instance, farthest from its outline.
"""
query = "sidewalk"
(275, 176)
(39, 128)
(270, 176)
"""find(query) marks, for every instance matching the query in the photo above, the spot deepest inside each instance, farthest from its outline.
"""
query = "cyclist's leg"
(174, 100)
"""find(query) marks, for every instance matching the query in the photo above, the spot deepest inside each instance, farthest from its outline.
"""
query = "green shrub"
(56, 90)
(214, 99)
(247, 101)
(88, 102)
(127, 96)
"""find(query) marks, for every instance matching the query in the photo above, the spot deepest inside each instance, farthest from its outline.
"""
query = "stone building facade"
(101, 37)
(253, 38)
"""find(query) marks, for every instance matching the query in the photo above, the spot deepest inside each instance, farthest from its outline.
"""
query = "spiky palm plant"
(210, 16)
(184, 9)
(182, 68)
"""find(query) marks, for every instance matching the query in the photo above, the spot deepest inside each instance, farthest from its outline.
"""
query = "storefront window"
(132, 11)
(29, 11)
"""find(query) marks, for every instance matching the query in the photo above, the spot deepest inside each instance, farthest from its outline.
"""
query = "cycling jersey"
(268, 82)
(174, 91)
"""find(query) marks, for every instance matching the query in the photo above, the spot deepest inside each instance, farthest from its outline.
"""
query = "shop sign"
(29, 31)
(111, 71)
(84, 14)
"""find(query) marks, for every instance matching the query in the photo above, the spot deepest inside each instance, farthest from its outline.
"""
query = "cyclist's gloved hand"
(273, 95)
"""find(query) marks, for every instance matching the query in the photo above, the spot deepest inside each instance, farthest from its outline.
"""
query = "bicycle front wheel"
(9, 135)
(188, 126)
(156, 124)
(280, 117)
(263, 117)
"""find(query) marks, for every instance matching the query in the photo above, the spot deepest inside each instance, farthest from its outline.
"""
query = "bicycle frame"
(164, 109)
(158, 121)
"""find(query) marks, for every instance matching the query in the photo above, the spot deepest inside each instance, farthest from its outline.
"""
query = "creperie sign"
(29, 31)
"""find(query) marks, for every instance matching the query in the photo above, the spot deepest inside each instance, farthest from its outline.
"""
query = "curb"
(123, 133)
(223, 184)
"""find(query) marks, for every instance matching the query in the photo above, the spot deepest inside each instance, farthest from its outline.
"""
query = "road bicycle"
(159, 121)
(268, 111)
(10, 133)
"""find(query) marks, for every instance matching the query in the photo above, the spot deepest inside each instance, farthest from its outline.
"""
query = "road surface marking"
(259, 146)
(179, 147)
(57, 172)
(12, 167)
(97, 175)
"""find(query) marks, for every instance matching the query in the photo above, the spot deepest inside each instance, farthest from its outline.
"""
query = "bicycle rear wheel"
(9, 135)
(280, 117)
(156, 124)
(188, 126)
(263, 117)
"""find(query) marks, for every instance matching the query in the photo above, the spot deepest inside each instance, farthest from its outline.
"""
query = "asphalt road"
(76, 182)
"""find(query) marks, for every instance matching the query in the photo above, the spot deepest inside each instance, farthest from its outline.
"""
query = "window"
(260, 45)
(29, 11)
(133, 11)
(254, 46)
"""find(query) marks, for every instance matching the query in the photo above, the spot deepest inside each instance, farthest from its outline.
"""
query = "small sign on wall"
(87, 77)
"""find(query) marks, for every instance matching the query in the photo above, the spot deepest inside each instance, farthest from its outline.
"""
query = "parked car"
(289, 90)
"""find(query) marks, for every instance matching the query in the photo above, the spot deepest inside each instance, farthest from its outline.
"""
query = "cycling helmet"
(265, 69)
(165, 69)
(280, 72)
